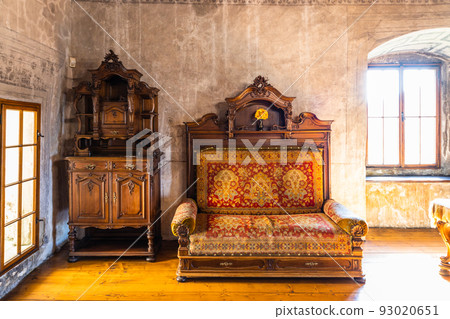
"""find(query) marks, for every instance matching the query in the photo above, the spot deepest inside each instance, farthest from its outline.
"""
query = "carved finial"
(260, 83)
(111, 56)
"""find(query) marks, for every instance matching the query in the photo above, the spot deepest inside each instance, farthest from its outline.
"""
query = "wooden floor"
(399, 265)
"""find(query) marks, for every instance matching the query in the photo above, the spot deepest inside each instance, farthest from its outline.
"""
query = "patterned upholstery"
(237, 183)
(300, 234)
(345, 218)
(185, 214)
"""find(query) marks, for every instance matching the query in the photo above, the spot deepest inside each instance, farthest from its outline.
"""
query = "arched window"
(403, 115)
(404, 100)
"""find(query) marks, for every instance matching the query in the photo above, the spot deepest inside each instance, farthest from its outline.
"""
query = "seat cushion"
(299, 234)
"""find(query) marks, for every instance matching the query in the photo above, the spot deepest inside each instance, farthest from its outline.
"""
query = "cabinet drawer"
(132, 165)
(114, 132)
(89, 165)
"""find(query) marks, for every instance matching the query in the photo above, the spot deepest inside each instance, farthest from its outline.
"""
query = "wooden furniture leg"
(151, 248)
(72, 237)
(444, 230)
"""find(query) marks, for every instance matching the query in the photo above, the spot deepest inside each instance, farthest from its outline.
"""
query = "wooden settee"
(259, 197)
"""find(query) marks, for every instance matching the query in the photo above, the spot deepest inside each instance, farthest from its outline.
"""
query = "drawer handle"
(226, 264)
(130, 167)
(106, 197)
(115, 132)
(91, 166)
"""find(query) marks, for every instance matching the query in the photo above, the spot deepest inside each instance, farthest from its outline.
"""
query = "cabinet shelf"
(111, 247)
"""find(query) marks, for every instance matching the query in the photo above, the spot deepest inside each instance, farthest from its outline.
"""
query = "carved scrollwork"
(111, 56)
(183, 233)
(184, 264)
(357, 230)
(90, 186)
(270, 264)
(131, 186)
(260, 83)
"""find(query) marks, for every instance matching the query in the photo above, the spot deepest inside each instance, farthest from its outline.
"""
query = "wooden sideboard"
(107, 191)
(112, 193)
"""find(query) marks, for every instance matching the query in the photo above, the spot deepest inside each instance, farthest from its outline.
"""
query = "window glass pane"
(428, 92)
(11, 165)
(28, 197)
(391, 94)
(29, 130)
(375, 141)
(12, 127)
(382, 92)
(411, 88)
(27, 232)
(428, 141)
(10, 242)
(391, 141)
(28, 162)
(11, 203)
(412, 141)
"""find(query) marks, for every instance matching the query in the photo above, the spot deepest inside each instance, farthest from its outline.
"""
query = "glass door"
(19, 182)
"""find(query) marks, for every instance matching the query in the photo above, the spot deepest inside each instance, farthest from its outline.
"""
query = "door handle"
(39, 134)
(114, 197)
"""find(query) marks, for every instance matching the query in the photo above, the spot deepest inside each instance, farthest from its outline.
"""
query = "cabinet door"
(90, 197)
(130, 198)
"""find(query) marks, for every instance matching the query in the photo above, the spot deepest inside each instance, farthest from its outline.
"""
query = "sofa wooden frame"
(304, 128)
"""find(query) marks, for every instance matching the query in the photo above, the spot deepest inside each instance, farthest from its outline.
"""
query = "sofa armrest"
(345, 218)
(185, 215)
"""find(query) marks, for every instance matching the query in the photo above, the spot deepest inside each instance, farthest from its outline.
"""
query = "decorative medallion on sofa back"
(235, 183)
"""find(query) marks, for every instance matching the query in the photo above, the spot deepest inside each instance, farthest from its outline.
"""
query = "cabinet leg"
(181, 278)
(72, 259)
(72, 237)
(151, 244)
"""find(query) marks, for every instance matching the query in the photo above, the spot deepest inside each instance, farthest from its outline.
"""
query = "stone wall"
(199, 54)
(403, 204)
(34, 40)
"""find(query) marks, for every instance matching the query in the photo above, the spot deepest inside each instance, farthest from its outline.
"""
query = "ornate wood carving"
(304, 127)
(112, 197)
(113, 90)
(131, 186)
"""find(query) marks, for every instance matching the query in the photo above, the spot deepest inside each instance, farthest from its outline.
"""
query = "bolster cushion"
(186, 215)
(345, 218)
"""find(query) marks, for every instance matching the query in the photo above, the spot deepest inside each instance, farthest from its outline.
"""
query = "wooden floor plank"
(399, 264)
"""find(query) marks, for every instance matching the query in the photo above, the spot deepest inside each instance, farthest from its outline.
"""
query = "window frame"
(401, 67)
(24, 106)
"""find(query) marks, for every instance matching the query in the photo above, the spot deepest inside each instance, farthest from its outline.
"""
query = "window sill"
(408, 179)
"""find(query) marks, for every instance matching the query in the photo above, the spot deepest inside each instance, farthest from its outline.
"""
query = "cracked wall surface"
(202, 53)
(34, 41)
(199, 54)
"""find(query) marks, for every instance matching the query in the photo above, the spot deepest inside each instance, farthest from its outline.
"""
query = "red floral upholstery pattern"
(300, 234)
(237, 183)
(185, 214)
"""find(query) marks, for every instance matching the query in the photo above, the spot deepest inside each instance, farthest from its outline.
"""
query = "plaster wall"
(199, 54)
(34, 39)
(403, 204)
